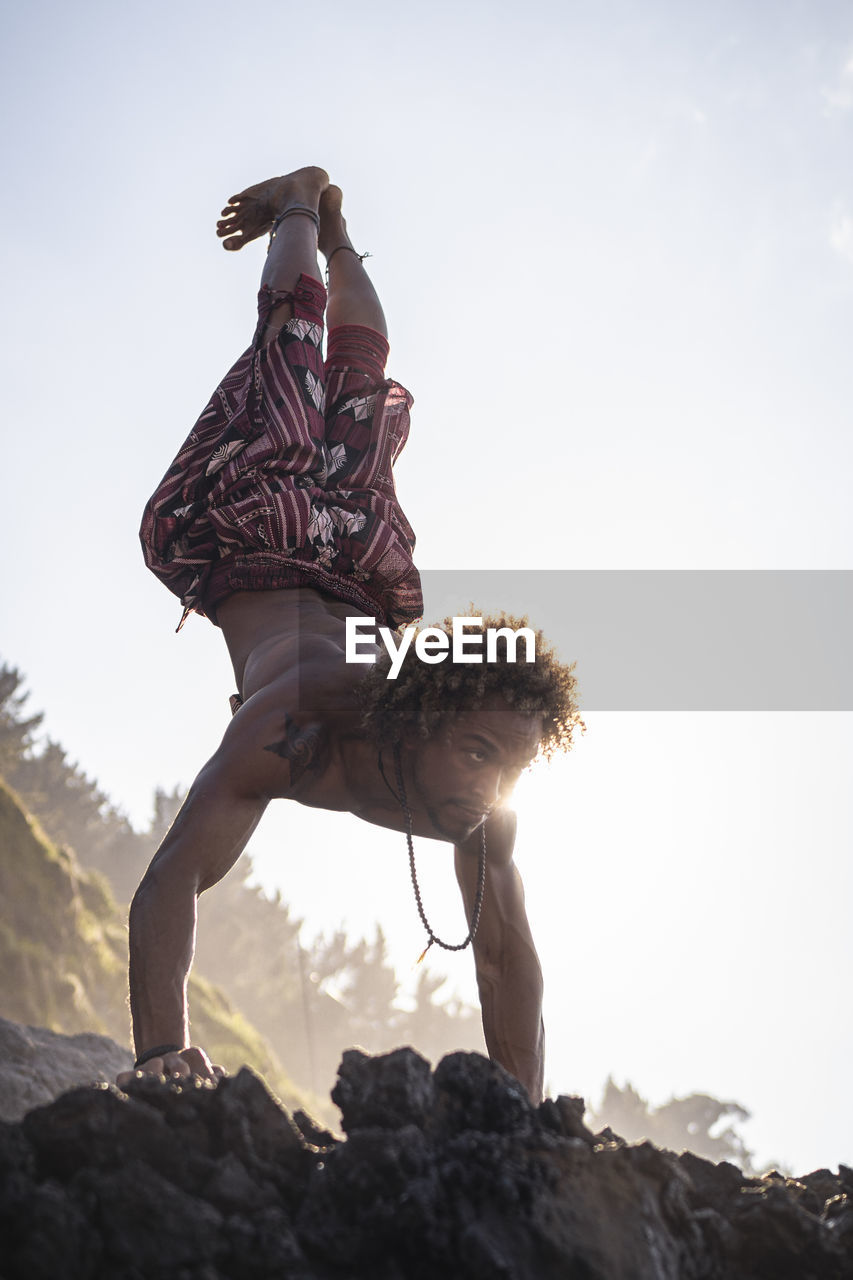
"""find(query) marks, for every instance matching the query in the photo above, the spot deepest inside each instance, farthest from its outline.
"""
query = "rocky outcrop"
(446, 1173)
(37, 1065)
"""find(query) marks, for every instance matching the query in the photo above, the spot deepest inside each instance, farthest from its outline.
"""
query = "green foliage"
(16, 731)
(62, 945)
(71, 808)
(63, 955)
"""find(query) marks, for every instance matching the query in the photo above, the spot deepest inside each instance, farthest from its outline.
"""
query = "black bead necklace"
(402, 799)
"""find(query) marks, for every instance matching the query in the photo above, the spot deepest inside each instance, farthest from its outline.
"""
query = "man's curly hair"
(425, 696)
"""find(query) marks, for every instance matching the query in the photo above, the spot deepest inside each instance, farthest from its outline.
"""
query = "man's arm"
(509, 977)
(262, 755)
(205, 840)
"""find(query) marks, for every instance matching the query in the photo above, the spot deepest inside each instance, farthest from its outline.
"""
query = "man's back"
(271, 632)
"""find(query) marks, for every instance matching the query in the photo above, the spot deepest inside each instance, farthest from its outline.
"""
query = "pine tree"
(16, 730)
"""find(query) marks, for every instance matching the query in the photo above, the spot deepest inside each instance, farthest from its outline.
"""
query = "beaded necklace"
(402, 799)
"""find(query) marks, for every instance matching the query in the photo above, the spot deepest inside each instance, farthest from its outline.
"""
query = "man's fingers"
(187, 1062)
(153, 1067)
(175, 1064)
(195, 1062)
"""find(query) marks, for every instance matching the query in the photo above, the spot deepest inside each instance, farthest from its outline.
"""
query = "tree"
(681, 1124)
(75, 812)
(438, 1027)
(348, 999)
(166, 806)
(16, 730)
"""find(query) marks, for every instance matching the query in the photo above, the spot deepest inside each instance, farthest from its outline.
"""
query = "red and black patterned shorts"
(286, 478)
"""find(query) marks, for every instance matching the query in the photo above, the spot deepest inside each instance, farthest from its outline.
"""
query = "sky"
(614, 242)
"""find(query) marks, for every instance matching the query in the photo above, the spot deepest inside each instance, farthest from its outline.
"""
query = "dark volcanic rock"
(386, 1092)
(447, 1174)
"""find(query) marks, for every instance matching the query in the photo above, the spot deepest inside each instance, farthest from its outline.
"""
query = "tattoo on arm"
(301, 747)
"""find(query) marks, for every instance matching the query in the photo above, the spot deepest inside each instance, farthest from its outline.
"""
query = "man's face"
(469, 766)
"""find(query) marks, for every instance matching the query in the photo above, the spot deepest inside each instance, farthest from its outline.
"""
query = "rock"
(37, 1065)
(388, 1092)
(448, 1173)
(474, 1093)
(314, 1134)
(565, 1116)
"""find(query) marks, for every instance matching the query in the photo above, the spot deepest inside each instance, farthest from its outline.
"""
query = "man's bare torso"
(288, 652)
(268, 632)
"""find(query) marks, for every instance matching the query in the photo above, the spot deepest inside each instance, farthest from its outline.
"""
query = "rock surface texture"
(447, 1173)
(36, 1065)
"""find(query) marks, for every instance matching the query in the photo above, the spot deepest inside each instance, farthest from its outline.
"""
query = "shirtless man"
(278, 520)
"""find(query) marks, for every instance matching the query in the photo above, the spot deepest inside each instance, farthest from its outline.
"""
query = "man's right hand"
(184, 1062)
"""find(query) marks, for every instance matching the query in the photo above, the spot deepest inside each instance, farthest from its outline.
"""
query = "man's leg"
(352, 297)
(293, 251)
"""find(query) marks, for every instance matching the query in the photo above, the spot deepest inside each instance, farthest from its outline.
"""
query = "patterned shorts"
(286, 479)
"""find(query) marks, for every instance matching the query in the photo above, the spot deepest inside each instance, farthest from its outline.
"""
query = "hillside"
(63, 955)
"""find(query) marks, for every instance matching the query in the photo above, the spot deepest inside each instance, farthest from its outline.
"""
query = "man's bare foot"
(252, 213)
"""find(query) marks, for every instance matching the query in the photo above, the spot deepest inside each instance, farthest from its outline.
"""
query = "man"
(279, 520)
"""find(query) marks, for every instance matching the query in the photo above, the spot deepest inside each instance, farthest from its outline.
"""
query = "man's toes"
(238, 228)
(236, 213)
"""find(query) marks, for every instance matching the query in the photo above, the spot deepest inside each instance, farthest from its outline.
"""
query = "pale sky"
(615, 246)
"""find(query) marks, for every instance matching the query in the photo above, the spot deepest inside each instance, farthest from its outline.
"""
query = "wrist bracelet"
(157, 1052)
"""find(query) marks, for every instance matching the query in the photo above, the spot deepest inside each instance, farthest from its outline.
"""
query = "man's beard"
(432, 813)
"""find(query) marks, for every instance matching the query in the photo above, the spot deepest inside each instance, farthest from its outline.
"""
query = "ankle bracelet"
(294, 208)
(349, 249)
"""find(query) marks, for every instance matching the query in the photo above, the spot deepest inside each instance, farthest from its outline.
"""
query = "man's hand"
(184, 1062)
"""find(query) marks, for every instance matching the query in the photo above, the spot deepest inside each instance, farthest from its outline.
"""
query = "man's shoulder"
(299, 716)
(305, 745)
